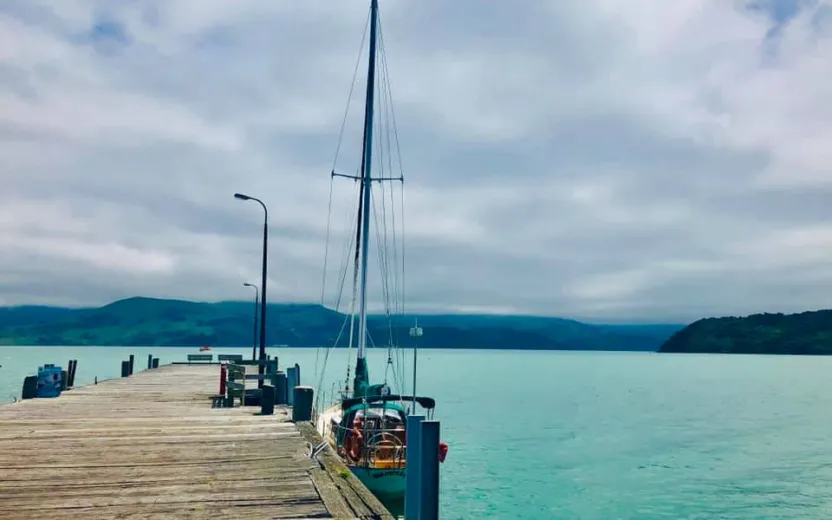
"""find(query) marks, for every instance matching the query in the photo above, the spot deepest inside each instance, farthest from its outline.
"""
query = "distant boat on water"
(204, 348)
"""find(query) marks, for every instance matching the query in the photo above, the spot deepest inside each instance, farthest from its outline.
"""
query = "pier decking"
(150, 446)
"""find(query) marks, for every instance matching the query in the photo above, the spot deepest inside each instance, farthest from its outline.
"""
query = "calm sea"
(539, 435)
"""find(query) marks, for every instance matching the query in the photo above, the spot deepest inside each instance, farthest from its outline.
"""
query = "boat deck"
(151, 446)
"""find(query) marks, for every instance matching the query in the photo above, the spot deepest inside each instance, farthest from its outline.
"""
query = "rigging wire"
(392, 113)
(352, 89)
(343, 270)
(334, 162)
(386, 230)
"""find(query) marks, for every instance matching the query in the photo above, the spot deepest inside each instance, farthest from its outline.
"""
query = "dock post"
(30, 387)
(64, 379)
(302, 403)
(125, 368)
(271, 370)
(73, 368)
(223, 378)
(155, 362)
(413, 476)
(280, 388)
(132, 358)
(429, 469)
(149, 361)
(291, 383)
(267, 400)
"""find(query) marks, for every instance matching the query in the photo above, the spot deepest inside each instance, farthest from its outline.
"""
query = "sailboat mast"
(361, 375)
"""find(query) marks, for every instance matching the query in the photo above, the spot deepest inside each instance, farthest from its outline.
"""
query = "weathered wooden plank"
(341, 491)
(151, 446)
(242, 510)
(77, 478)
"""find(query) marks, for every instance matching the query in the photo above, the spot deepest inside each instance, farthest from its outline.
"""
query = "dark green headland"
(150, 321)
(806, 333)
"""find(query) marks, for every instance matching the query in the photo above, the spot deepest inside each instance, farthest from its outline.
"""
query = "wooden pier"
(150, 446)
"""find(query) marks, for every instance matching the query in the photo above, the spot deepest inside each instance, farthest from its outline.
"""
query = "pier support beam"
(429, 469)
(302, 403)
(73, 367)
(413, 475)
(267, 400)
(30, 387)
(280, 385)
(292, 380)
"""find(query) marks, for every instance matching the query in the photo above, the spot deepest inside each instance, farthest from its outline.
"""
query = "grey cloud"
(560, 158)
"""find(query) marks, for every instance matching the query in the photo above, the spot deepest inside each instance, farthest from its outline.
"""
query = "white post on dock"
(413, 476)
(429, 469)
(292, 381)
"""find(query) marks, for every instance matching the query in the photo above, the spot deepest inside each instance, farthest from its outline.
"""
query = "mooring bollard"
(30, 387)
(413, 476)
(96, 380)
(267, 400)
(302, 403)
(131, 364)
(125, 368)
(149, 361)
(429, 469)
(155, 362)
(280, 388)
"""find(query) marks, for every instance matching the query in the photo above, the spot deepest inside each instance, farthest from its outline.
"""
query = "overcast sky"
(645, 160)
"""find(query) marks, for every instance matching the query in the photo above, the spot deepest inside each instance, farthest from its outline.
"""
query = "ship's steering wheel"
(384, 441)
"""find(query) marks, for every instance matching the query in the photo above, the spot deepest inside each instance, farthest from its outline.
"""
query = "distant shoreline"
(153, 321)
(520, 349)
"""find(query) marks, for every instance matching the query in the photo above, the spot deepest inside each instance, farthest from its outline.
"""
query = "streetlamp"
(262, 366)
(256, 302)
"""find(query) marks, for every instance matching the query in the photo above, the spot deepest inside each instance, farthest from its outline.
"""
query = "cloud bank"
(643, 160)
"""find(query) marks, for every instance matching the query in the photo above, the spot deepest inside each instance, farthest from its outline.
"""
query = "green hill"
(807, 333)
(150, 321)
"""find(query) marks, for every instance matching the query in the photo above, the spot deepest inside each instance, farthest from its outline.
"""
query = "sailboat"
(365, 423)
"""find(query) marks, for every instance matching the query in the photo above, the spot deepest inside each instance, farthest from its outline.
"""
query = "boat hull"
(383, 483)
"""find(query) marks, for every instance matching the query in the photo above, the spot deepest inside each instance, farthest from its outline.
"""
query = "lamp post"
(256, 303)
(262, 366)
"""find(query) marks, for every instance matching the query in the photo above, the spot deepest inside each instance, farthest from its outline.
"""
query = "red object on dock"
(223, 377)
(443, 451)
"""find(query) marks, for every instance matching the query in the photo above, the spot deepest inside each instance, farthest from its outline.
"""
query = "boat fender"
(443, 451)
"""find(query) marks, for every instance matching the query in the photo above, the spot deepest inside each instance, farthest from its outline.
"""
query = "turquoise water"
(539, 435)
